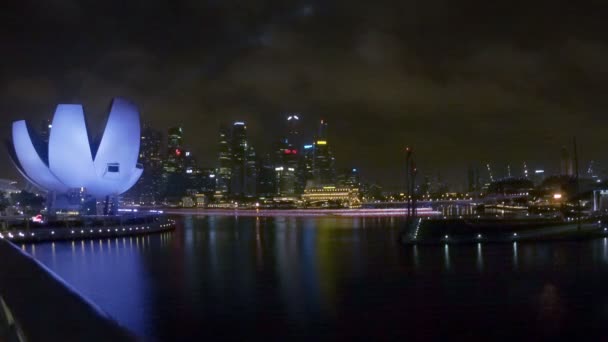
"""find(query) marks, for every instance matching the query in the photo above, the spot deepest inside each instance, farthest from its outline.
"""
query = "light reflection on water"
(479, 257)
(515, 255)
(331, 277)
(446, 256)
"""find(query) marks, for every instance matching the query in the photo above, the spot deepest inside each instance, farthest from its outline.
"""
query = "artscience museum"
(77, 169)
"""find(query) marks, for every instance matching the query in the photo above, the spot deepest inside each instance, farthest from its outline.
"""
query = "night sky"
(463, 82)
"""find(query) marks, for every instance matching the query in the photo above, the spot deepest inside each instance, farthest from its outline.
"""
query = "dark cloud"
(463, 81)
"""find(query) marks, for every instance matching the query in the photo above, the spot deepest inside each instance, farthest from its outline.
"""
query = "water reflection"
(446, 256)
(479, 258)
(605, 249)
(515, 260)
(331, 277)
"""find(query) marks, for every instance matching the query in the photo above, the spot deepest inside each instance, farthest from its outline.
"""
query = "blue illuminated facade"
(74, 169)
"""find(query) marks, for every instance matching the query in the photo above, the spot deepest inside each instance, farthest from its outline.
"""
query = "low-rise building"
(320, 196)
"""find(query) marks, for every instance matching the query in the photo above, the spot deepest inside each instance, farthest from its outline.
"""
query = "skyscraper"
(285, 180)
(286, 163)
(243, 178)
(238, 147)
(307, 163)
(224, 168)
(251, 172)
(193, 173)
(206, 181)
(294, 160)
(324, 164)
(323, 130)
(293, 130)
(266, 185)
(147, 189)
(349, 178)
(174, 177)
(175, 162)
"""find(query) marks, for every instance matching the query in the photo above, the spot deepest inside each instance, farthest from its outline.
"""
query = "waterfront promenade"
(156, 224)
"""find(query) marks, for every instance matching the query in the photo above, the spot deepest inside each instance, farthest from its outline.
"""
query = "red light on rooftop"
(178, 152)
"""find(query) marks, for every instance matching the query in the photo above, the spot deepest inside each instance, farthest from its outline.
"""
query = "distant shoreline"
(301, 212)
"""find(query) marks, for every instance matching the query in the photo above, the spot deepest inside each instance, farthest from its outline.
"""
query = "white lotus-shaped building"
(73, 161)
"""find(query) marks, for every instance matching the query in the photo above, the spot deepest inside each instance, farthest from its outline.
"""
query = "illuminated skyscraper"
(295, 160)
(251, 172)
(224, 169)
(238, 147)
(307, 165)
(193, 173)
(174, 178)
(323, 164)
(323, 130)
(286, 163)
(285, 180)
(175, 151)
(293, 130)
(243, 181)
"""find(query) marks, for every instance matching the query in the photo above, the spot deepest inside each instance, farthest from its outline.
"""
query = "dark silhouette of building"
(224, 169)
(307, 163)
(349, 178)
(293, 130)
(244, 173)
(148, 188)
(174, 178)
(175, 161)
(286, 162)
(323, 160)
(266, 186)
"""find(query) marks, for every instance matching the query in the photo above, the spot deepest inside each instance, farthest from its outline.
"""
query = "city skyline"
(303, 170)
(439, 77)
(303, 137)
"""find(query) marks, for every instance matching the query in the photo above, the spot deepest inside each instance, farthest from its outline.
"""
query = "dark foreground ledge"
(46, 308)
